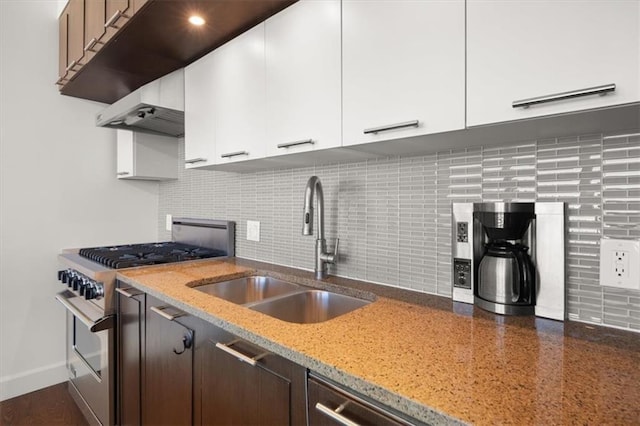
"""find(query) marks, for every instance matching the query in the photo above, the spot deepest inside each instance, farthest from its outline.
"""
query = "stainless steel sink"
(309, 306)
(249, 289)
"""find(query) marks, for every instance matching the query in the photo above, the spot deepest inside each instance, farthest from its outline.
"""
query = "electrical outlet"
(169, 222)
(620, 263)
(253, 230)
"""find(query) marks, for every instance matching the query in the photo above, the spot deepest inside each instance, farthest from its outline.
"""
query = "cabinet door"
(63, 46)
(527, 49)
(168, 367)
(199, 128)
(403, 68)
(235, 392)
(239, 98)
(117, 12)
(76, 33)
(93, 26)
(125, 153)
(303, 78)
(130, 304)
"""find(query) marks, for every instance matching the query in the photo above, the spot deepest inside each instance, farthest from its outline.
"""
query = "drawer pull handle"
(252, 361)
(90, 45)
(71, 66)
(335, 414)
(122, 173)
(296, 143)
(234, 154)
(125, 292)
(195, 160)
(406, 124)
(114, 18)
(598, 90)
(160, 311)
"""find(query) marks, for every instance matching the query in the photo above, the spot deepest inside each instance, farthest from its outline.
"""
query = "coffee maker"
(509, 258)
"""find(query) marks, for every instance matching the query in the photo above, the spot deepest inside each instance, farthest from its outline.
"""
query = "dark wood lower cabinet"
(130, 332)
(168, 379)
(243, 384)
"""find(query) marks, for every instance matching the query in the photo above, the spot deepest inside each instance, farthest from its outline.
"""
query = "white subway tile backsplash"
(393, 215)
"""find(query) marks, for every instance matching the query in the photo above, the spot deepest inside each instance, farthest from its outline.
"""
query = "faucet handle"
(330, 257)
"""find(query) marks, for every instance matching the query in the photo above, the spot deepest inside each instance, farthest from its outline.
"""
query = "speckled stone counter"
(435, 360)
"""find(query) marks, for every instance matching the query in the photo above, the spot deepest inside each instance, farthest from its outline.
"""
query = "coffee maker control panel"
(462, 273)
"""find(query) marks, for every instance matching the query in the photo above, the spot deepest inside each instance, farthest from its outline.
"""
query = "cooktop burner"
(130, 255)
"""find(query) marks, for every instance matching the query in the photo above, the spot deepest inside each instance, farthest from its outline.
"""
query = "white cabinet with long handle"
(535, 58)
(403, 68)
(238, 90)
(303, 78)
(199, 135)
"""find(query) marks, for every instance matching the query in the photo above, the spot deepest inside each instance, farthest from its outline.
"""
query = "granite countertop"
(428, 357)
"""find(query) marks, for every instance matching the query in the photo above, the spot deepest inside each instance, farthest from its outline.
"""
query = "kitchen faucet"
(314, 190)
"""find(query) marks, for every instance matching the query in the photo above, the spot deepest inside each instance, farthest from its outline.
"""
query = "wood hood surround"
(158, 39)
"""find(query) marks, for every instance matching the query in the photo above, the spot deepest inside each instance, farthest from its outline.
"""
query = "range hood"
(157, 107)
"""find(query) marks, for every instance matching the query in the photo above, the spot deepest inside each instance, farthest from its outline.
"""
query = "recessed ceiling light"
(196, 20)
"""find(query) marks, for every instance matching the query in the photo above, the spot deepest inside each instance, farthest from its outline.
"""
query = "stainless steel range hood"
(157, 107)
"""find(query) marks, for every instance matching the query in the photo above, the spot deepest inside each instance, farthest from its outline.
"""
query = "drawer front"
(329, 405)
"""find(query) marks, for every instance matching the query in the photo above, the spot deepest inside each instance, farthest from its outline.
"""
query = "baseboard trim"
(32, 380)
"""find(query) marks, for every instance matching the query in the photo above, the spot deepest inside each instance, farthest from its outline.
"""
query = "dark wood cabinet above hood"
(158, 39)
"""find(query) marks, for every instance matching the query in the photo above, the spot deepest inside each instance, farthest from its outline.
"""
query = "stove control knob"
(61, 275)
(98, 290)
(64, 275)
(82, 287)
(89, 291)
(71, 275)
(75, 282)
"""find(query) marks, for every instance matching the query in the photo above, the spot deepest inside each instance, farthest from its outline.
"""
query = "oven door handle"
(101, 324)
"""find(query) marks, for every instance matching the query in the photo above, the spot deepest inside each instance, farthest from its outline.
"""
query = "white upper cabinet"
(403, 68)
(199, 134)
(238, 83)
(303, 80)
(562, 53)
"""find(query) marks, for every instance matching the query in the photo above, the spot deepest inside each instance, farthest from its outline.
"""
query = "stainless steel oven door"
(90, 357)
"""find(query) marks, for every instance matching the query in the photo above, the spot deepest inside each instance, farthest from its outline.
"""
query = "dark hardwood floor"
(49, 406)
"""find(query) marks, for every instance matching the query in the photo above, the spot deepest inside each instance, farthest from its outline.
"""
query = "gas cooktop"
(131, 255)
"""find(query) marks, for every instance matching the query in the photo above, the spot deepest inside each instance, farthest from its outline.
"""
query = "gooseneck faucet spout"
(312, 193)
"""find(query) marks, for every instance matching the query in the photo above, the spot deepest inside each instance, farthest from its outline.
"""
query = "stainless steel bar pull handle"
(125, 292)
(234, 154)
(89, 46)
(195, 160)
(114, 18)
(335, 414)
(160, 311)
(242, 357)
(597, 90)
(122, 173)
(103, 323)
(406, 124)
(71, 65)
(296, 143)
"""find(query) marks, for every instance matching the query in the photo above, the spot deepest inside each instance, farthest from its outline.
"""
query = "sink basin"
(249, 289)
(309, 306)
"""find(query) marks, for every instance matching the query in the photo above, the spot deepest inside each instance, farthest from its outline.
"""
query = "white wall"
(58, 190)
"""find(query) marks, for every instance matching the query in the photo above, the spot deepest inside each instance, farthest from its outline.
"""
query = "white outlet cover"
(253, 230)
(620, 263)
(168, 223)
